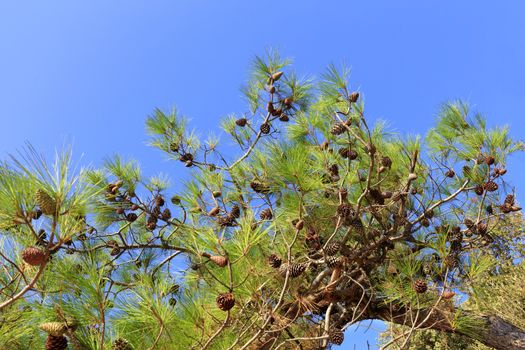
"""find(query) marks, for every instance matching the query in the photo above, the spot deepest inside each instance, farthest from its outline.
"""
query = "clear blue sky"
(88, 72)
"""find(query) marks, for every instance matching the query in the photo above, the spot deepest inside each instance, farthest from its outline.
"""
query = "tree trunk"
(497, 333)
(502, 335)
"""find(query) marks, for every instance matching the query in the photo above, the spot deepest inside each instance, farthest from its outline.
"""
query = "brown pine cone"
(509, 199)
(122, 344)
(284, 118)
(343, 152)
(266, 214)
(235, 211)
(338, 129)
(219, 260)
(265, 128)
(332, 248)
(259, 187)
(56, 343)
(336, 336)
(46, 203)
(491, 186)
(420, 286)
(166, 214)
(478, 190)
(241, 122)
(275, 261)
(354, 96)
(225, 301)
(131, 217)
(33, 256)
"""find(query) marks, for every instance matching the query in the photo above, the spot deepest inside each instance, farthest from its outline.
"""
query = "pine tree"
(288, 242)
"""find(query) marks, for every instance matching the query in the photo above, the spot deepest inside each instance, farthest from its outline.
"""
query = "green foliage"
(127, 258)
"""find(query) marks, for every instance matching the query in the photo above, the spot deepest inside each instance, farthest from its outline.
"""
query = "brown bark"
(496, 333)
(501, 335)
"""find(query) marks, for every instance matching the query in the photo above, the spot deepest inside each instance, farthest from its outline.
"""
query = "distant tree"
(320, 222)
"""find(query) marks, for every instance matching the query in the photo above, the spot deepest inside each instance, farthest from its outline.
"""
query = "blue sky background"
(88, 73)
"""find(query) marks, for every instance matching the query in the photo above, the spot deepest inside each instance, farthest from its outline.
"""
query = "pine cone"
(334, 169)
(276, 76)
(131, 217)
(47, 204)
(333, 261)
(270, 108)
(450, 173)
(332, 248)
(500, 171)
(420, 286)
(343, 152)
(156, 212)
(114, 251)
(159, 201)
(345, 210)
(338, 129)
(295, 269)
(121, 344)
(386, 161)
(275, 261)
(336, 336)
(55, 329)
(214, 211)
(225, 301)
(236, 211)
(489, 160)
(509, 199)
(219, 260)
(456, 236)
(284, 118)
(357, 225)
(37, 214)
(151, 225)
(166, 214)
(377, 196)
(481, 228)
(33, 256)
(506, 208)
(266, 214)
(259, 187)
(186, 157)
(56, 342)
(448, 294)
(241, 122)
(265, 128)
(478, 190)
(469, 223)
(491, 186)
(354, 96)
(226, 220)
(352, 155)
